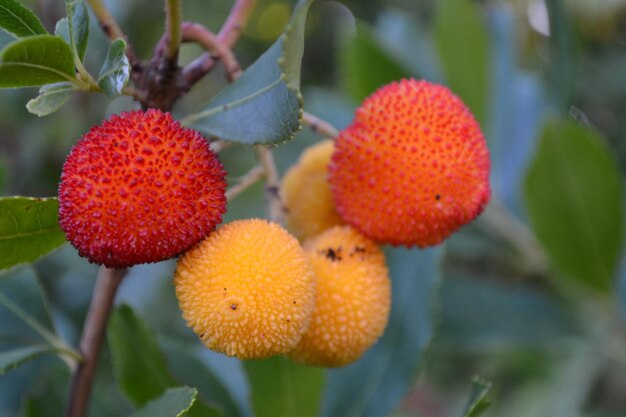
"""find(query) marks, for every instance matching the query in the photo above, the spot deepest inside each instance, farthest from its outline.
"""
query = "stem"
(249, 179)
(111, 29)
(195, 32)
(95, 325)
(272, 185)
(227, 36)
(503, 223)
(320, 126)
(173, 20)
(236, 21)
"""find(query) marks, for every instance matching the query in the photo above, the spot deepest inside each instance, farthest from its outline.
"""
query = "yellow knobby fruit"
(353, 298)
(306, 193)
(247, 290)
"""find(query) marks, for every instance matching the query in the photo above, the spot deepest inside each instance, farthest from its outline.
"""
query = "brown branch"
(273, 199)
(227, 36)
(195, 32)
(249, 179)
(93, 332)
(112, 30)
(320, 126)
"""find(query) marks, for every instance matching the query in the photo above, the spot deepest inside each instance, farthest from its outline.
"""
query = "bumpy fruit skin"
(247, 290)
(413, 167)
(353, 298)
(309, 204)
(140, 188)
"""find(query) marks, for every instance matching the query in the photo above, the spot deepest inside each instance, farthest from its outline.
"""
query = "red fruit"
(413, 167)
(140, 188)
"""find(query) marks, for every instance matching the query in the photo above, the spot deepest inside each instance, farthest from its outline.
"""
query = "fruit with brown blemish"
(353, 298)
(247, 290)
(412, 168)
(140, 188)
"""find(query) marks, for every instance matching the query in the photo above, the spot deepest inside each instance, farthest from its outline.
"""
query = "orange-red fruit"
(413, 167)
(353, 298)
(140, 188)
(309, 204)
(247, 290)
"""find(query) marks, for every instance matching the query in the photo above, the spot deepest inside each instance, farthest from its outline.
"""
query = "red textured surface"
(413, 166)
(140, 188)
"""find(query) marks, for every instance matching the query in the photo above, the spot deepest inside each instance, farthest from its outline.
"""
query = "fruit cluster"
(411, 169)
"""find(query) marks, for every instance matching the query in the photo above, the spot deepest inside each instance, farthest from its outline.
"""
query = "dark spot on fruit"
(233, 306)
(438, 197)
(332, 254)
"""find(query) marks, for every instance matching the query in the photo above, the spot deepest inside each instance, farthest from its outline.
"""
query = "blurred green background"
(504, 312)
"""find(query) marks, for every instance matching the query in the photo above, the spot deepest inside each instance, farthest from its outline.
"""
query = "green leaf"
(24, 311)
(282, 388)
(477, 403)
(574, 194)
(190, 370)
(36, 60)
(18, 20)
(75, 31)
(377, 382)
(138, 363)
(264, 105)
(463, 48)
(29, 229)
(5, 39)
(358, 74)
(115, 71)
(12, 359)
(50, 99)
(174, 402)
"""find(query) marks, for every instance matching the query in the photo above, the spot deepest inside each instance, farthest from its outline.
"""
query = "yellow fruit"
(306, 193)
(353, 298)
(247, 290)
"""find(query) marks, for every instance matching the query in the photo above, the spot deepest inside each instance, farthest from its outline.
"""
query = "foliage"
(529, 297)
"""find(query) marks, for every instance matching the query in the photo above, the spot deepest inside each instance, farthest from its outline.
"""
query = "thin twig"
(320, 126)
(227, 36)
(219, 145)
(195, 32)
(236, 21)
(245, 182)
(112, 30)
(173, 20)
(93, 332)
(273, 200)
(503, 223)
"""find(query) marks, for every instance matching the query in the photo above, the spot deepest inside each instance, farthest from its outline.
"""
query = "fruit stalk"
(95, 325)
(174, 18)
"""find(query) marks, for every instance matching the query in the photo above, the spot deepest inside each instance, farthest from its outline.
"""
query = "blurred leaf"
(29, 229)
(12, 359)
(282, 388)
(464, 52)
(3, 170)
(5, 39)
(574, 194)
(50, 99)
(561, 61)
(366, 65)
(377, 382)
(115, 70)
(18, 20)
(138, 363)
(503, 316)
(36, 60)
(478, 402)
(174, 402)
(264, 105)
(75, 31)
(188, 369)
(400, 32)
